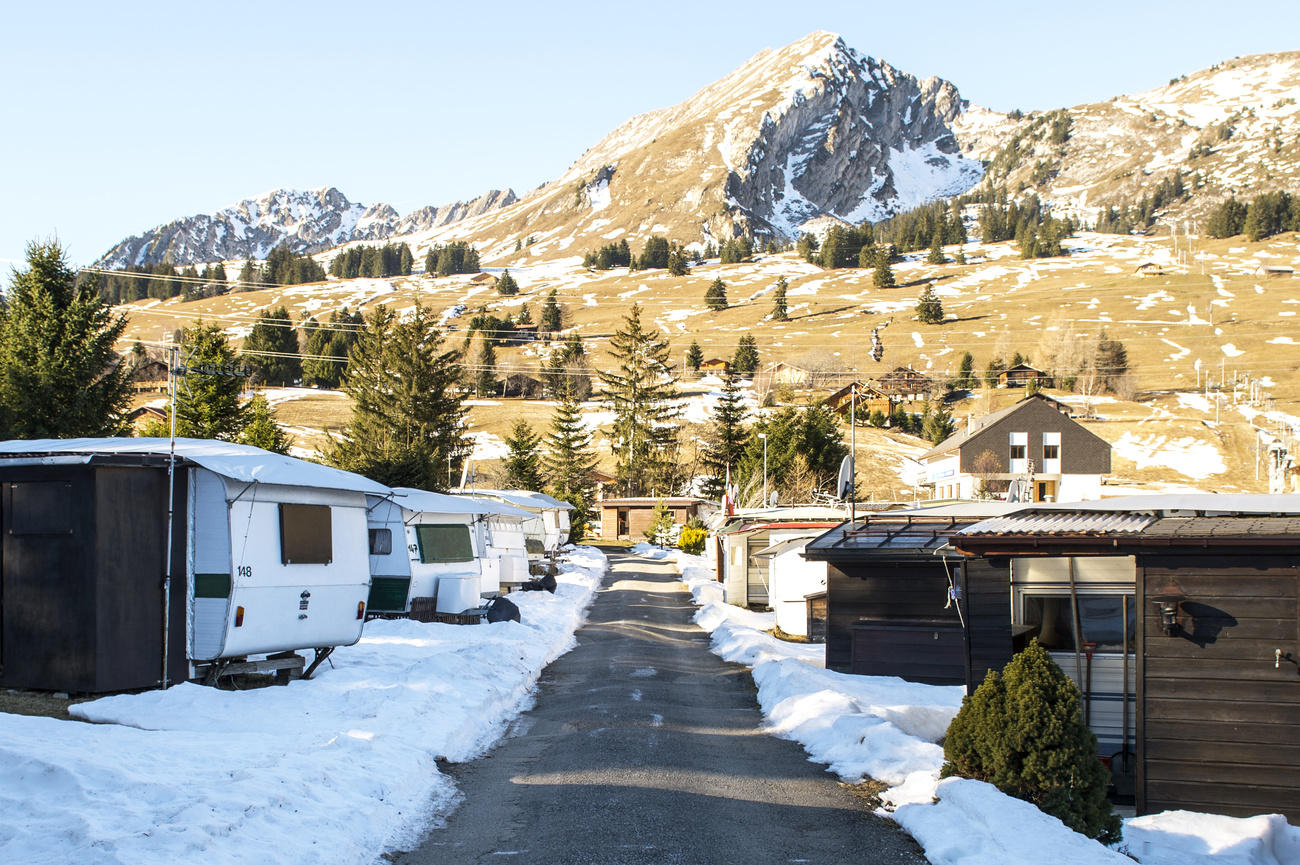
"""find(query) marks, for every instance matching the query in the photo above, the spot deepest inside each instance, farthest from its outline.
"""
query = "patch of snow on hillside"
(1188, 456)
(1283, 340)
(1231, 350)
(916, 339)
(1179, 351)
(1197, 401)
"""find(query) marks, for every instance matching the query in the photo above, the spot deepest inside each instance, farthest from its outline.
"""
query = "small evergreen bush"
(1022, 732)
(691, 540)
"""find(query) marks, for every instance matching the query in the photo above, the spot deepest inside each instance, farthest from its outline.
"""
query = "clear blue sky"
(122, 116)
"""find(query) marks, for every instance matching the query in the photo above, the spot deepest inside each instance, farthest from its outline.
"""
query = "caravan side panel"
(210, 577)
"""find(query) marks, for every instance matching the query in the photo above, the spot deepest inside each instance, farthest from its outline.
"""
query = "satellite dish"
(844, 487)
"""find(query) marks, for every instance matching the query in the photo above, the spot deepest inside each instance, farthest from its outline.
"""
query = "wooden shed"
(900, 603)
(1023, 374)
(1214, 636)
(630, 517)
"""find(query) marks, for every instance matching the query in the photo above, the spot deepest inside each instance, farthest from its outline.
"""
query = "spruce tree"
(1111, 361)
(715, 298)
(779, 310)
(484, 375)
(506, 284)
(966, 372)
(929, 310)
(262, 430)
(936, 248)
(525, 315)
(727, 438)
(551, 318)
(208, 404)
(570, 461)
(694, 357)
(59, 374)
(271, 349)
(567, 370)
(745, 361)
(641, 389)
(407, 418)
(523, 464)
(1022, 731)
(883, 277)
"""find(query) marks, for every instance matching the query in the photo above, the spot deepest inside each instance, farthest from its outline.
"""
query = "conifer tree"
(642, 391)
(936, 248)
(1022, 731)
(1111, 361)
(883, 277)
(727, 438)
(208, 404)
(523, 462)
(271, 349)
(262, 430)
(484, 375)
(327, 348)
(677, 262)
(694, 357)
(966, 373)
(525, 315)
(715, 298)
(407, 418)
(570, 461)
(745, 361)
(779, 310)
(929, 310)
(567, 370)
(551, 318)
(59, 374)
(936, 423)
(506, 284)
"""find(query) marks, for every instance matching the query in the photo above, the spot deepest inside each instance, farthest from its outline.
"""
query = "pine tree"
(727, 438)
(59, 374)
(407, 418)
(523, 461)
(567, 370)
(570, 461)
(779, 311)
(551, 318)
(745, 361)
(1111, 361)
(506, 284)
(805, 446)
(883, 277)
(1022, 731)
(525, 315)
(327, 348)
(936, 247)
(929, 310)
(484, 377)
(966, 373)
(271, 349)
(208, 404)
(936, 423)
(642, 391)
(694, 357)
(262, 431)
(677, 262)
(715, 298)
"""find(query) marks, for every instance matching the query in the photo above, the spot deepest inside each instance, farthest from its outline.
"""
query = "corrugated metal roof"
(1061, 524)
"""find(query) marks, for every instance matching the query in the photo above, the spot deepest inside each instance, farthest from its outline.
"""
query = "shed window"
(381, 542)
(444, 543)
(40, 508)
(306, 535)
(1101, 615)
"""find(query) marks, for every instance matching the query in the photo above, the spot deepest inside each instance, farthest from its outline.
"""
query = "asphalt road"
(644, 747)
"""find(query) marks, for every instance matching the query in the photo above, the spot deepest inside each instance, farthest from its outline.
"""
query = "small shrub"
(691, 540)
(1022, 732)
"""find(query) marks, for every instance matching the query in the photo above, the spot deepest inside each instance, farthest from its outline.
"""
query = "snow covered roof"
(438, 503)
(242, 463)
(526, 499)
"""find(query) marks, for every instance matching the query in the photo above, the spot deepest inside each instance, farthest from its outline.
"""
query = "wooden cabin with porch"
(904, 384)
(1179, 619)
(1022, 375)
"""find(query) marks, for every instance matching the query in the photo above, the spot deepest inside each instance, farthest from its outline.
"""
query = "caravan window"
(306, 535)
(444, 543)
(40, 508)
(381, 542)
(1100, 616)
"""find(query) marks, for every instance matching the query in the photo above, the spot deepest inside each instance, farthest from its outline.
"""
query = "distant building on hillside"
(1023, 374)
(1276, 271)
(715, 364)
(904, 384)
(1149, 268)
(869, 399)
(1030, 451)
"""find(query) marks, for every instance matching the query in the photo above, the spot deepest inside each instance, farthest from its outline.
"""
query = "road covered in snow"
(338, 769)
(888, 729)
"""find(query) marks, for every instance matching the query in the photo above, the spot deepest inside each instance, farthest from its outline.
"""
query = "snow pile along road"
(889, 729)
(337, 769)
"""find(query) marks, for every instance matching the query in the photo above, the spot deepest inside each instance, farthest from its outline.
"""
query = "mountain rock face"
(809, 132)
(308, 221)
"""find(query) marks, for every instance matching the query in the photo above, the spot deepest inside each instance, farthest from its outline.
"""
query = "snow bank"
(336, 769)
(889, 729)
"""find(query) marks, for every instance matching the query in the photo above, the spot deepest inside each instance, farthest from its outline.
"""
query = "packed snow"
(888, 729)
(337, 769)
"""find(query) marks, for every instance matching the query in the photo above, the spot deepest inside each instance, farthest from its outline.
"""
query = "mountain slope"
(1231, 129)
(308, 221)
(810, 131)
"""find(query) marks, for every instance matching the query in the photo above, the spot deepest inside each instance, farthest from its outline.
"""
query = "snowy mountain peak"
(308, 221)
